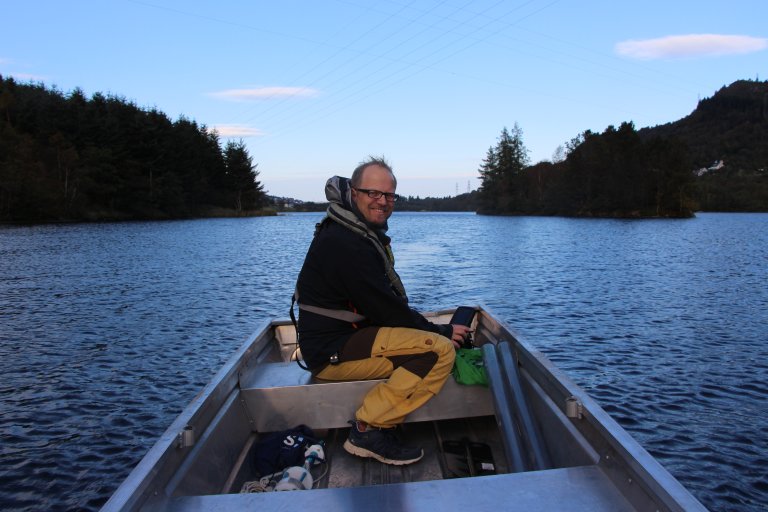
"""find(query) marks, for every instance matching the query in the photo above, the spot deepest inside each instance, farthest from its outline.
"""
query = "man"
(355, 322)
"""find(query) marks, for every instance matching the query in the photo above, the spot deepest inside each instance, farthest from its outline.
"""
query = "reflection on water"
(108, 330)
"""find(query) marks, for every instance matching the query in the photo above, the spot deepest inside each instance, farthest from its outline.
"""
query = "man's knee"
(445, 350)
(445, 346)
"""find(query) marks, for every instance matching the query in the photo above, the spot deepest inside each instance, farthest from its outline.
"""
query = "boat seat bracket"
(186, 438)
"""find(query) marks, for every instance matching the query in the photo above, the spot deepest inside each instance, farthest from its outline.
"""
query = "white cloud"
(230, 131)
(692, 45)
(261, 93)
(27, 77)
(4, 61)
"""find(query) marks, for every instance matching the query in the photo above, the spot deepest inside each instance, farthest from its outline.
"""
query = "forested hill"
(68, 157)
(727, 139)
(731, 126)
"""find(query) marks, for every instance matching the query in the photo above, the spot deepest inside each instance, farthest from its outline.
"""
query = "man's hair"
(357, 174)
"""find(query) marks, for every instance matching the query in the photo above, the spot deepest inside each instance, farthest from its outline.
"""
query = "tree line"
(611, 174)
(715, 159)
(69, 157)
(460, 203)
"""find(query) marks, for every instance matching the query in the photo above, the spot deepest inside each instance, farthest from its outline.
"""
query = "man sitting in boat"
(355, 322)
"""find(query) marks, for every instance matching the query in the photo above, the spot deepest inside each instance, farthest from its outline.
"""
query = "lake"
(107, 331)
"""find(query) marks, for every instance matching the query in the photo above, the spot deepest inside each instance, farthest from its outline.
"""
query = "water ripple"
(108, 330)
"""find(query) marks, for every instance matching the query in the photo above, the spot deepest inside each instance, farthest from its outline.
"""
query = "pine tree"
(246, 193)
(489, 180)
(503, 174)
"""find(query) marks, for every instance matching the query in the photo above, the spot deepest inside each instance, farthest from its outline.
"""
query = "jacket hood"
(338, 190)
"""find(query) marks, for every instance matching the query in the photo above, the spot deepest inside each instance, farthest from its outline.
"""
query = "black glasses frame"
(376, 194)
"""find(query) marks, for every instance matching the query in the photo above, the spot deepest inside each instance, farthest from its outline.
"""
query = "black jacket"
(345, 271)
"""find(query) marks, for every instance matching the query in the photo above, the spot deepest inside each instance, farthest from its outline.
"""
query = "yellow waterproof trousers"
(417, 363)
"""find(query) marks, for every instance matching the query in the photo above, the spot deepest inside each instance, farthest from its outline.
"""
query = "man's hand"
(460, 333)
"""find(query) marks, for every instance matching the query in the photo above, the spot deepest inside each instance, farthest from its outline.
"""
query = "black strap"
(296, 327)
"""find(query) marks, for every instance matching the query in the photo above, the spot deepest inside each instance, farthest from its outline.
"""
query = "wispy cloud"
(691, 45)
(229, 131)
(261, 93)
(4, 61)
(27, 77)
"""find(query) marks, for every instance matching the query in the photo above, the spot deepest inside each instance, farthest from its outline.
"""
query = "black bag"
(279, 450)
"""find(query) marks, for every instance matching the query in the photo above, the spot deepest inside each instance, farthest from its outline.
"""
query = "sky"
(315, 87)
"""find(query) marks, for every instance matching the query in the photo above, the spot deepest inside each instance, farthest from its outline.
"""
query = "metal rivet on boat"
(573, 407)
(186, 437)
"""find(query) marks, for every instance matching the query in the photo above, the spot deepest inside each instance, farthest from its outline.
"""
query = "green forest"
(613, 174)
(715, 159)
(67, 157)
(727, 138)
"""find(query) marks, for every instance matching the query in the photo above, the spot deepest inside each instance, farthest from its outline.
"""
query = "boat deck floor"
(452, 449)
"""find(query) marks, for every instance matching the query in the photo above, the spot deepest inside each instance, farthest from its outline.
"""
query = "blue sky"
(314, 87)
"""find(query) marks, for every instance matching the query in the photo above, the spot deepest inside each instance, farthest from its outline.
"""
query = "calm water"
(107, 331)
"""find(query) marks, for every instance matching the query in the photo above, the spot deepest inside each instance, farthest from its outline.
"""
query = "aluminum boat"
(530, 441)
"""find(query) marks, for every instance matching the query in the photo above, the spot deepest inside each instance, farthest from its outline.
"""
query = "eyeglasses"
(376, 194)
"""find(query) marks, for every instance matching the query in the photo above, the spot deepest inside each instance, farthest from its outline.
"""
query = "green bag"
(468, 367)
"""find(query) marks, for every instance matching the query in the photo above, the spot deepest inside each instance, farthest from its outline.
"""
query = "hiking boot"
(381, 444)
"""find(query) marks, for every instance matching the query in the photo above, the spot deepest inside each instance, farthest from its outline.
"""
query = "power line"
(392, 80)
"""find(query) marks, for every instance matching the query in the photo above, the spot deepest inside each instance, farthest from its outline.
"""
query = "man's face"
(375, 211)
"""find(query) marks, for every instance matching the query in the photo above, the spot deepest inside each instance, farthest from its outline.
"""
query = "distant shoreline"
(217, 213)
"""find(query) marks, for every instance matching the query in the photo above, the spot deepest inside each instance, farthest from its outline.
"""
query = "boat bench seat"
(279, 396)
